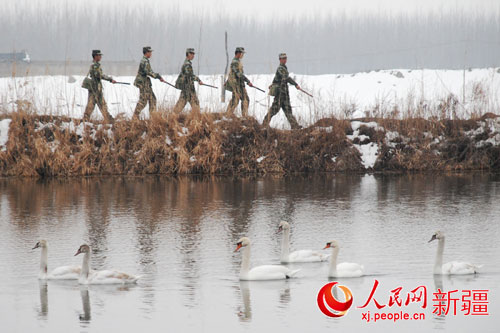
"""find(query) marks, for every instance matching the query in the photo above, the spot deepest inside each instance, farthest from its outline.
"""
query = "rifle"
(305, 92)
(170, 84)
(258, 88)
(204, 84)
(122, 83)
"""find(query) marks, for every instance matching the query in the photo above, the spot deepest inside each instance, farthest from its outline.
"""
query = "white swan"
(345, 269)
(296, 256)
(59, 273)
(101, 277)
(265, 272)
(452, 267)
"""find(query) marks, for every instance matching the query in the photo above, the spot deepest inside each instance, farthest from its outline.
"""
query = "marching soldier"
(279, 89)
(143, 82)
(236, 84)
(95, 89)
(185, 82)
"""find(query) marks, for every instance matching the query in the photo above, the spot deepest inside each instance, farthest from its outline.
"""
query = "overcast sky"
(268, 9)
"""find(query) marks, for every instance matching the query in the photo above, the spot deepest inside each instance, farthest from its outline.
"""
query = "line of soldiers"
(185, 82)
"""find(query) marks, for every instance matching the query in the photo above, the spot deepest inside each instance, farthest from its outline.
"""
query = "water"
(180, 234)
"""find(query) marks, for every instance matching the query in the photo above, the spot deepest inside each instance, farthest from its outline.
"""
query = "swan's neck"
(43, 263)
(333, 262)
(285, 246)
(245, 261)
(438, 266)
(84, 275)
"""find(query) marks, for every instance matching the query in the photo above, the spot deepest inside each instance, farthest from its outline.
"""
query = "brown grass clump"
(211, 143)
(170, 144)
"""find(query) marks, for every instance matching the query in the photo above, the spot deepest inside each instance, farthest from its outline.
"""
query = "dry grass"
(209, 143)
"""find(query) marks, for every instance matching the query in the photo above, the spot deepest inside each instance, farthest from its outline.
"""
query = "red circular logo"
(329, 305)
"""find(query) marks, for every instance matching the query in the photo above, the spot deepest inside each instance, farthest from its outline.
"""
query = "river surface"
(180, 235)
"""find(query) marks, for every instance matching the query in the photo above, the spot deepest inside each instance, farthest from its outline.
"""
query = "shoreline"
(213, 144)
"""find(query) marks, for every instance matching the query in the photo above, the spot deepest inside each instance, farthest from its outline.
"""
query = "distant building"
(15, 56)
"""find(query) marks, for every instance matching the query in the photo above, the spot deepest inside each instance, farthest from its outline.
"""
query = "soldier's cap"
(240, 49)
(96, 53)
(147, 49)
(283, 56)
(190, 50)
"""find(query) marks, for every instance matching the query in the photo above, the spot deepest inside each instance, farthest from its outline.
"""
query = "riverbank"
(210, 143)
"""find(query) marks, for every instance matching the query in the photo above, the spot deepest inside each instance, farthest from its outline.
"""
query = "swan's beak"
(327, 246)
(36, 246)
(279, 230)
(77, 252)
(238, 247)
(433, 238)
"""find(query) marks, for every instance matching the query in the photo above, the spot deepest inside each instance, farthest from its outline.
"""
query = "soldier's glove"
(250, 84)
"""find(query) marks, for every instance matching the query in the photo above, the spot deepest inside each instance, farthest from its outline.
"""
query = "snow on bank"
(386, 92)
(368, 150)
(4, 132)
(487, 134)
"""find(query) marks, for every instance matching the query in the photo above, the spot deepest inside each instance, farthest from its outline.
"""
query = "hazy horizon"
(319, 36)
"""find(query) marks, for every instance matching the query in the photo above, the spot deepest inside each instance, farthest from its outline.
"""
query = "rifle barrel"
(123, 83)
(208, 85)
(305, 92)
(258, 88)
(170, 84)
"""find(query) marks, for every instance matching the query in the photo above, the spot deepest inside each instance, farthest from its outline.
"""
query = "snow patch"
(4, 132)
(168, 141)
(185, 131)
(369, 154)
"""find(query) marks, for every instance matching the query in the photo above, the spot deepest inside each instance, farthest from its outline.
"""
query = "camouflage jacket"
(237, 78)
(142, 79)
(282, 78)
(96, 75)
(186, 78)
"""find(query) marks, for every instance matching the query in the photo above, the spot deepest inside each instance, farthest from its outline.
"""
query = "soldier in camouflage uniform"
(236, 84)
(279, 89)
(143, 82)
(95, 91)
(185, 82)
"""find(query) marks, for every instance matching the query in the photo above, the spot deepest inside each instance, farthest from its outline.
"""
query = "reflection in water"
(44, 299)
(98, 208)
(438, 319)
(180, 232)
(266, 291)
(438, 282)
(245, 313)
(84, 294)
(285, 296)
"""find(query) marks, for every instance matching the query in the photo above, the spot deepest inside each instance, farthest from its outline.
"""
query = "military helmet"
(240, 49)
(96, 53)
(190, 50)
(146, 49)
(283, 56)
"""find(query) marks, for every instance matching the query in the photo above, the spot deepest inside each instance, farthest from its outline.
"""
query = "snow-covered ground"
(376, 93)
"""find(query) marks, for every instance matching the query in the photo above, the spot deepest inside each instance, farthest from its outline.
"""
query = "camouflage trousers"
(187, 96)
(97, 98)
(146, 95)
(237, 96)
(282, 101)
